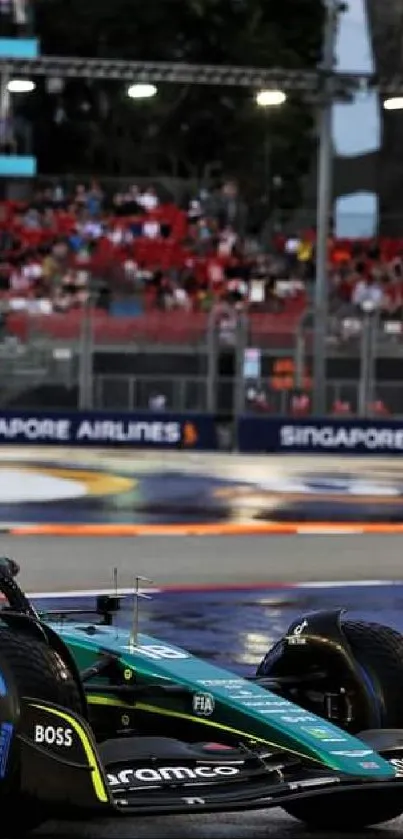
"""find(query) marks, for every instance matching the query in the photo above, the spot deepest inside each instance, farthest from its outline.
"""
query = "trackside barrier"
(200, 432)
(103, 429)
(319, 436)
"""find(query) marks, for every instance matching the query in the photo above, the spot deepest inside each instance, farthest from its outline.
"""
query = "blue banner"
(316, 436)
(134, 430)
(19, 48)
(17, 166)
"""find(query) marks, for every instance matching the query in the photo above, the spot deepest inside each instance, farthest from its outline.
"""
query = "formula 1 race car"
(100, 721)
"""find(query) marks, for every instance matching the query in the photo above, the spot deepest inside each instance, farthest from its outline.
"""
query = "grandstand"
(183, 295)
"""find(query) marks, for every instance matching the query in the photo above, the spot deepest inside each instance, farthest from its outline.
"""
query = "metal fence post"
(368, 342)
(85, 396)
(373, 351)
(211, 364)
(299, 357)
(324, 206)
(241, 345)
(131, 394)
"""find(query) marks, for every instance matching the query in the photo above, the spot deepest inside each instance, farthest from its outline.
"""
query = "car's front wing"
(171, 789)
(63, 769)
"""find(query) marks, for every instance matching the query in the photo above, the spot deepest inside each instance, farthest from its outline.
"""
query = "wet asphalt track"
(52, 564)
(258, 825)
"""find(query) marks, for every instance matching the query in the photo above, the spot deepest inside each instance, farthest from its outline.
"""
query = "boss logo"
(50, 736)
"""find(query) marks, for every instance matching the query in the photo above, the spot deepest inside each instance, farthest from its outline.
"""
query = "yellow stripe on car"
(97, 779)
(154, 709)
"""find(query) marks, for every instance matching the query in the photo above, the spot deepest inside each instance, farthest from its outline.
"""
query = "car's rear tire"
(379, 652)
(38, 671)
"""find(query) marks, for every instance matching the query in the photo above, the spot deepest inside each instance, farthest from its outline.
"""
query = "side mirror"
(107, 606)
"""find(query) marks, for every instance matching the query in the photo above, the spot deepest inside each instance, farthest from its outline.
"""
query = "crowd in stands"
(369, 276)
(151, 254)
(135, 257)
(132, 253)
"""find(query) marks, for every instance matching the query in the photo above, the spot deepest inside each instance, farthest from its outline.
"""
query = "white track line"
(64, 595)
(329, 531)
(349, 584)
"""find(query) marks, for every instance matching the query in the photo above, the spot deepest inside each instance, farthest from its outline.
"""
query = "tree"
(185, 130)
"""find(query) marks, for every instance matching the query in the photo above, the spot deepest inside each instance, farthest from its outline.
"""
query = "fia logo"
(203, 704)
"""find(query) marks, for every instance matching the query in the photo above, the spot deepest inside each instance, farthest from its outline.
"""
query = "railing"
(128, 393)
(178, 327)
(182, 361)
(265, 330)
(261, 399)
(183, 394)
(155, 328)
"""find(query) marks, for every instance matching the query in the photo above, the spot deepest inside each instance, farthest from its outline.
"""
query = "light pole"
(9, 88)
(324, 207)
(268, 99)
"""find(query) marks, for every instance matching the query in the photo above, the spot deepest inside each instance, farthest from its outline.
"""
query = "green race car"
(99, 721)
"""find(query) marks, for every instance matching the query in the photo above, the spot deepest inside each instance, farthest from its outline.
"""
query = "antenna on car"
(136, 610)
(115, 586)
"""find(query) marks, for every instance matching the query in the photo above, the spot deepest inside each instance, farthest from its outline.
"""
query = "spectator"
(231, 210)
(300, 404)
(157, 402)
(32, 220)
(81, 196)
(94, 200)
(368, 293)
(151, 229)
(341, 408)
(378, 409)
(148, 199)
(257, 400)
(195, 211)
(227, 241)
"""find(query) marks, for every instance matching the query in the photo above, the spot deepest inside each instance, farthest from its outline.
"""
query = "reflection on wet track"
(235, 627)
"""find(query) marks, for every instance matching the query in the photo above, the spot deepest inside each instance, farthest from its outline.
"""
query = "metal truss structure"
(154, 71)
(299, 81)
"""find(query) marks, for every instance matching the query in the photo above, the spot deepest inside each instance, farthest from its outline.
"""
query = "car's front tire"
(38, 671)
(379, 652)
